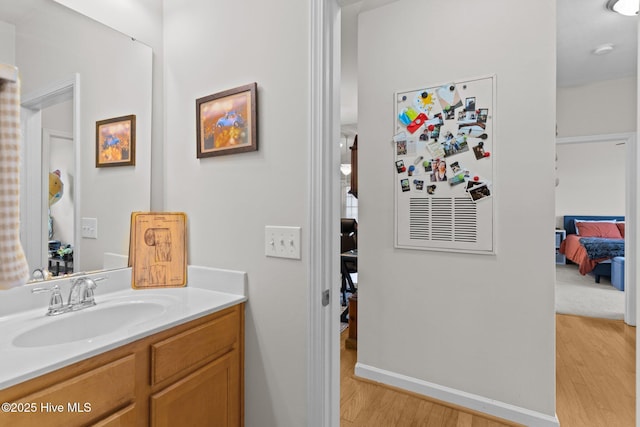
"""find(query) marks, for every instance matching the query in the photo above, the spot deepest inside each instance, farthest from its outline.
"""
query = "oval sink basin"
(89, 323)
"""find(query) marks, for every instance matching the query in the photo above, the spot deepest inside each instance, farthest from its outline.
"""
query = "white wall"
(211, 47)
(474, 323)
(607, 107)
(596, 109)
(592, 179)
(7, 43)
(115, 80)
(349, 64)
(58, 117)
(142, 20)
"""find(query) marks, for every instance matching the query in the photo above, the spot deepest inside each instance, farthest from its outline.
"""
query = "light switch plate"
(282, 242)
(90, 228)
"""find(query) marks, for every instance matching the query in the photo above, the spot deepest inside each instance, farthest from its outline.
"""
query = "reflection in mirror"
(75, 72)
(58, 168)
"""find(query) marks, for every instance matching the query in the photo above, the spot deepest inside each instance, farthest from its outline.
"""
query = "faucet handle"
(91, 283)
(88, 296)
(55, 302)
(97, 279)
(56, 298)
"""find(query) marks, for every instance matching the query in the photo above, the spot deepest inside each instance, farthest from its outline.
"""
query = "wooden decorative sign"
(158, 249)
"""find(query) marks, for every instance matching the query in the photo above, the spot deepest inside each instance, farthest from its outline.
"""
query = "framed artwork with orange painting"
(116, 142)
(227, 122)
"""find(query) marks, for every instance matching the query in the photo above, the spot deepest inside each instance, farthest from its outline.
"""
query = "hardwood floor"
(367, 404)
(595, 384)
(595, 372)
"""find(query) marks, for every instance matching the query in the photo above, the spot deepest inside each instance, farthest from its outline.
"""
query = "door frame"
(34, 202)
(323, 357)
(631, 242)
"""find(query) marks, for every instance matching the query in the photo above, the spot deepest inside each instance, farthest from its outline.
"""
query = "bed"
(602, 240)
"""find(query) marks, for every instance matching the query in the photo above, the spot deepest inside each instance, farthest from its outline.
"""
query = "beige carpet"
(580, 295)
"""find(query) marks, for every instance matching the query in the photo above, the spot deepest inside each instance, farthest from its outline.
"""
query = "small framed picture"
(116, 142)
(227, 122)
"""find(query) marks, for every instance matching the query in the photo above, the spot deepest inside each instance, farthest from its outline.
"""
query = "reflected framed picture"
(227, 122)
(116, 142)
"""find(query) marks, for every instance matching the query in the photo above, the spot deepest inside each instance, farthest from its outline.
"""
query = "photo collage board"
(443, 147)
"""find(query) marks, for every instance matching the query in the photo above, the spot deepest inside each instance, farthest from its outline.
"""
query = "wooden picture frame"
(227, 122)
(116, 142)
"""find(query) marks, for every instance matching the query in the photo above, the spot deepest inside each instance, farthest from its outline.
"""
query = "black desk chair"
(349, 264)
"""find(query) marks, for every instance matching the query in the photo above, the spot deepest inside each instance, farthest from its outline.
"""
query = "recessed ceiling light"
(624, 7)
(603, 49)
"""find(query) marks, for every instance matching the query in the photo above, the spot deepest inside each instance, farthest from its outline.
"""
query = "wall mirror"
(75, 72)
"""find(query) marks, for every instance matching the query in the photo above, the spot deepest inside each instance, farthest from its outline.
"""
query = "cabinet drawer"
(124, 417)
(182, 352)
(104, 389)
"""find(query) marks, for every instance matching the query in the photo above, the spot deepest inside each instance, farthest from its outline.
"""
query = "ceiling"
(582, 25)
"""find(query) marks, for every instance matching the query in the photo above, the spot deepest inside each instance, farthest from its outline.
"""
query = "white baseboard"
(459, 398)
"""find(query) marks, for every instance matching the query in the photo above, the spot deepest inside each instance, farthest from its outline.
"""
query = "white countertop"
(208, 290)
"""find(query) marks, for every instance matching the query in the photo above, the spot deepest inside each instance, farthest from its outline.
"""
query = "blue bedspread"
(598, 247)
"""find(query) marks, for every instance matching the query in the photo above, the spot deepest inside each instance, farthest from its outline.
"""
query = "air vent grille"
(443, 219)
(419, 223)
(465, 220)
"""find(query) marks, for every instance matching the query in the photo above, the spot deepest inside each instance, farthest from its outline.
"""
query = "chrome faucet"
(80, 296)
(81, 293)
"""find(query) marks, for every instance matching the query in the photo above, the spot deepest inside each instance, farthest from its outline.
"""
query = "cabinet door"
(209, 396)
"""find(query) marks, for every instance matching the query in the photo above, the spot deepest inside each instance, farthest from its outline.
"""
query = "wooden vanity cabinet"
(208, 395)
(192, 375)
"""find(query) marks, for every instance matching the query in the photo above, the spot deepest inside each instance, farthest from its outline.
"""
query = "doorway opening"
(50, 123)
(598, 293)
(329, 125)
